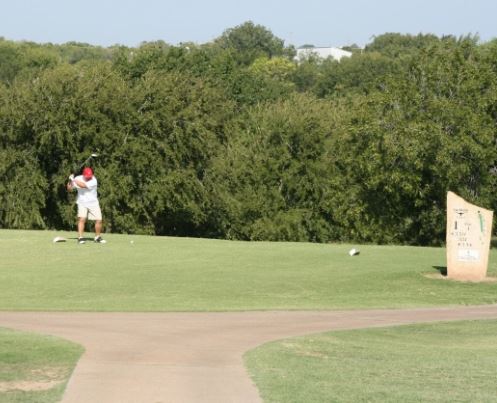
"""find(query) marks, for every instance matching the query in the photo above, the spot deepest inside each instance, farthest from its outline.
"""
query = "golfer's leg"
(81, 226)
(98, 227)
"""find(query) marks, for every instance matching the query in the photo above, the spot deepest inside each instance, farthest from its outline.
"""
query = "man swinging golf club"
(87, 201)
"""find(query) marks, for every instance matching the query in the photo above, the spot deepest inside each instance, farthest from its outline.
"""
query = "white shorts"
(92, 213)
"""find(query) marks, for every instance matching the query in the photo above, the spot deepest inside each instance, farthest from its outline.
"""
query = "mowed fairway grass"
(141, 273)
(444, 362)
(435, 362)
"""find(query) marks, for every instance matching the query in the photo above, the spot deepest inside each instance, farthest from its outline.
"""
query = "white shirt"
(87, 197)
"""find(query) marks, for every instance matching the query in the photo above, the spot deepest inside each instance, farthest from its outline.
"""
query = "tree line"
(235, 139)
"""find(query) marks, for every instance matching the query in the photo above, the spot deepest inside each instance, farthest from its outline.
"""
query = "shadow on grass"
(442, 270)
(86, 239)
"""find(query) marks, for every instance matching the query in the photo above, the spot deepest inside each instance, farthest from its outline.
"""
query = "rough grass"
(445, 362)
(184, 274)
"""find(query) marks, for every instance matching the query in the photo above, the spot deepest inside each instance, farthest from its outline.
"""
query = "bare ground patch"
(38, 380)
(28, 386)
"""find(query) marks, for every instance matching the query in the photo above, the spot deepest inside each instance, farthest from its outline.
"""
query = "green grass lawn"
(184, 274)
(140, 273)
(34, 368)
(444, 362)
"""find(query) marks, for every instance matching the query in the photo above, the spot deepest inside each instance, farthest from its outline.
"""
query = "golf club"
(81, 166)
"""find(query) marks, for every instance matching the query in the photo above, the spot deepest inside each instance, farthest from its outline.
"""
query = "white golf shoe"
(98, 239)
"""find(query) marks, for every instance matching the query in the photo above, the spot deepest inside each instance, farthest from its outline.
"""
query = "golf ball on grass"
(353, 252)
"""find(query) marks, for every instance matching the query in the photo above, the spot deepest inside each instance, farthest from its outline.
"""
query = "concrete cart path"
(193, 357)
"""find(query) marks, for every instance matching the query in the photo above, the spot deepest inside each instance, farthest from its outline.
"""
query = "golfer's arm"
(80, 184)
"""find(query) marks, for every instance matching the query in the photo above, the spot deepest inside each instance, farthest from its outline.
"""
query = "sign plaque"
(469, 229)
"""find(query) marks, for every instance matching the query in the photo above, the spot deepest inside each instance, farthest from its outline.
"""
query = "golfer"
(87, 201)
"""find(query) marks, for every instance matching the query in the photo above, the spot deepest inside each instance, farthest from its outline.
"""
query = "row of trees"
(234, 139)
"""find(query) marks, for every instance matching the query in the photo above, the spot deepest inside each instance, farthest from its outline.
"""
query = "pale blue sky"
(317, 22)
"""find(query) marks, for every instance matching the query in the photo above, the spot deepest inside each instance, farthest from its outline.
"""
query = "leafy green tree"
(249, 42)
(401, 150)
(306, 74)
(24, 59)
(62, 116)
(22, 190)
(134, 63)
(277, 68)
(152, 179)
(76, 52)
(10, 61)
(233, 139)
(361, 73)
(273, 173)
(399, 45)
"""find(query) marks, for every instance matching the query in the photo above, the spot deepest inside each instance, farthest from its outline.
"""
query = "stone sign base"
(469, 229)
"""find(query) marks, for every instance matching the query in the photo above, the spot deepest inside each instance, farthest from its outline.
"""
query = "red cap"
(87, 173)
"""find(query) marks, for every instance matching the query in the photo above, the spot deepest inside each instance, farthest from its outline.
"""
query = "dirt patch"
(28, 386)
(38, 379)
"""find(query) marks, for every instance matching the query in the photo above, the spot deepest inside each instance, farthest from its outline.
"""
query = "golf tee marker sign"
(469, 229)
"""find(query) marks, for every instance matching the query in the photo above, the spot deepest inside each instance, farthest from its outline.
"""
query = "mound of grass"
(447, 362)
(185, 274)
(35, 368)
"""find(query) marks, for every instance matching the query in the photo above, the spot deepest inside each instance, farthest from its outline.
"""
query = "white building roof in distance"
(322, 53)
